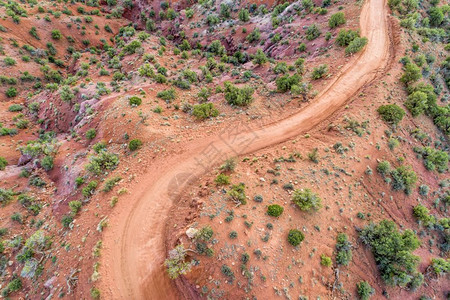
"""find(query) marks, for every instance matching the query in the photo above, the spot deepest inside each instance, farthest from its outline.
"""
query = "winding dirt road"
(133, 253)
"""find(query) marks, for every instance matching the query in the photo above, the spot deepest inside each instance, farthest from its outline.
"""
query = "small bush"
(11, 92)
(312, 32)
(167, 95)
(134, 144)
(412, 74)
(391, 113)
(111, 183)
(47, 163)
(15, 108)
(135, 101)
(356, 45)
(336, 20)
(229, 165)
(204, 111)
(306, 200)
(9, 61)
(89, 190)
(319, 72)
(56, 34)
(66, 221)
(3, 163)
(275, 210)
(343, 250)
(345, 37)
(237, 193)
(95, 293)
(404, 178)
(91, 134)
(325, 260)
(238, 96)
(365, 291)
(393, 252)
(227, 272)
(295, 237)
(260, 57)
(286, 82)
(222, 179)
(384, 167)
(75, 206)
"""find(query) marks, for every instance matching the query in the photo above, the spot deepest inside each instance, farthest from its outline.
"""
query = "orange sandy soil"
(167, 134)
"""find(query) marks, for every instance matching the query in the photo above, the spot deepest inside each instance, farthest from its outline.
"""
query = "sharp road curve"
(133, 245)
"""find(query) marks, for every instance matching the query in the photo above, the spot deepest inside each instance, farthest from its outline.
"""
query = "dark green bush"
(134, 100)
(167, 95)
(222, 179)
(365, 291)
(295, 237)
(91, 134)
(391, 113)
(134, 144)
(336, 20)
(286, 82)
(47, 162)
(343, 250)
(204, 111)
(393, 252)
(319, 72)
(345, 37)
(11, 92)
(3, 163)
(356, 45)
(275, 210)
(404, 179)
(238, 96)
(89, 190)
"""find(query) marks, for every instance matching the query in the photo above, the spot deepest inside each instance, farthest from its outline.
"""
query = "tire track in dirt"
(134, 250)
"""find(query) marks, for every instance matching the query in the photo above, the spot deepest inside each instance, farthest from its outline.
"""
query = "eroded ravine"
(133, 254)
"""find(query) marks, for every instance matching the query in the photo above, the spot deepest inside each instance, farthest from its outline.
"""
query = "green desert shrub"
(75, 206)
(238, 96)
(325, 260)
(134, 144)
(91, 134)
(336, 20)
(237, 193)
(404, 179)
(343, 250)
(319, 72)
(56, 34)
(433, 159)
(312, 32)
(295, 237)
(412, 74)
(167, 95)
(391, 113)
(306, 200)
(135, 101)
(285, 83)
(365, 291)
(11, 92)
(204, 111)
(47, 162)
(89, 189)
(222, 179)
(275, 210)
(392, 251)
(102, 162)
(356, 45)
(3, 163)
(345, 37)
